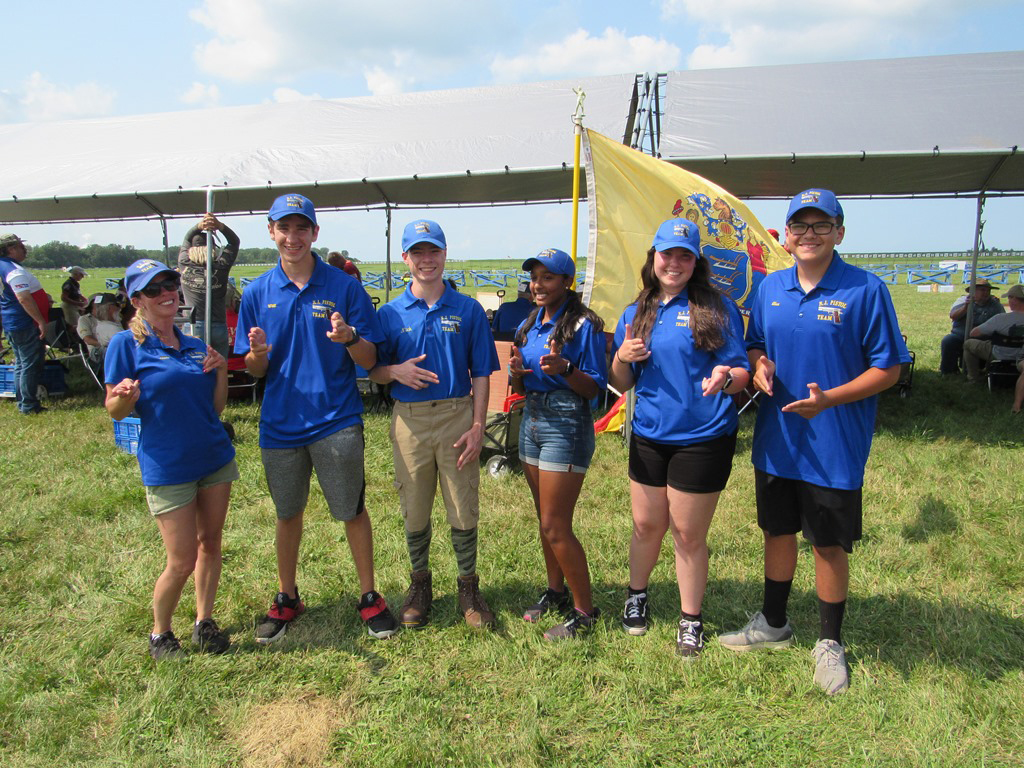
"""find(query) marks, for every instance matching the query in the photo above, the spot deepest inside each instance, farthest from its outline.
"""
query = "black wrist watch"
(728, 382)
(569, 368)
(355, 337)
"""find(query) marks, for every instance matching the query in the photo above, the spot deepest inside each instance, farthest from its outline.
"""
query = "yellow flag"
(631, 193)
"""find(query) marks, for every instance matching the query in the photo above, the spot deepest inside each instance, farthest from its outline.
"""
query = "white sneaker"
(830, 671)
(757, 634)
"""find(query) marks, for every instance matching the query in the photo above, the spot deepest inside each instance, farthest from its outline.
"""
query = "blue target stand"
(998, 273)
(886, 274)
(373, 280)
(929, 276)
(489, 278)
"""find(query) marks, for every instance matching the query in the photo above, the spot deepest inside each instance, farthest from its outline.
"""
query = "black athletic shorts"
(828, 517)
(699, 468)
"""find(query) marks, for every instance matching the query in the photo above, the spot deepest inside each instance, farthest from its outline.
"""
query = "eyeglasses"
(156, 287)
(818, 227)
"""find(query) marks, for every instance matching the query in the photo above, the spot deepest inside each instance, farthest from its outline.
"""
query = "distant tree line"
(56, 254)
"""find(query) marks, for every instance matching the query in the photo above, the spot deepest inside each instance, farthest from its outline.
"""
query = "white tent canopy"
(935, 125)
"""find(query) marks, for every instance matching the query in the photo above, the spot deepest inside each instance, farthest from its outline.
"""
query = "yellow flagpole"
(577, 120)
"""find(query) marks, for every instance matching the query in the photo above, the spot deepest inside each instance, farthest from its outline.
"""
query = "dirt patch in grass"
(293, 732)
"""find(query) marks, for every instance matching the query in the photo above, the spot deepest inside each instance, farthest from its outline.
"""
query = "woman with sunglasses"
(681, 344)
(559, 363)
(178, 386)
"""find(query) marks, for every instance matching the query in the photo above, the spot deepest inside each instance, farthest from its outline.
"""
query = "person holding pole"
(437, 354)
(823, 341)
(680, 344)
(304, 327)
(192, 263)
(558, 362)
(178, 385)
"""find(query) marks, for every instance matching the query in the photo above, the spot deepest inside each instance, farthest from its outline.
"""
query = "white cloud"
(382, 83)
(284, 95)
(202, 95)
(740, 33)
(581, 54)
(41, 101)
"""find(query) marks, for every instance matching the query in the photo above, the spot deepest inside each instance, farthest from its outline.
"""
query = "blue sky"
(68, 60)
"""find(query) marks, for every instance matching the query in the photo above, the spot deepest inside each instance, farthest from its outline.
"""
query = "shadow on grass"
(934, 518)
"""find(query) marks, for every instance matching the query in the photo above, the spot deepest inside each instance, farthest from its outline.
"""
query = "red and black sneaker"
(284, 610)
(373, 610)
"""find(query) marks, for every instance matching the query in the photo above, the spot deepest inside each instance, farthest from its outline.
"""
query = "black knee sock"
(419, 549)
(831, 620)
(464, 544)
(693, 616)
(776, 598)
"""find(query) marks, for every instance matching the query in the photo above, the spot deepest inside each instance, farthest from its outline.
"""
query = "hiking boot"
(209, 637)
(689, 639)
(757, 634)
(164, 646)
(830, 671)
(472, 604)
(634, 613)
(550, 600)
(373, 610)
(416, 609)
(577, 625)
(283, 611)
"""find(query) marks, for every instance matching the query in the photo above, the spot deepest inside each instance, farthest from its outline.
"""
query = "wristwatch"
(728, 382)
(569, 368)
(355, 337)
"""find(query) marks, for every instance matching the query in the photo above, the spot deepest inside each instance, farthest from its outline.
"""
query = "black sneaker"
(577, 625)
(283, 611)
(634, 613)
(373, 610)
(209, 637)
(550, 600)
(690, 639)
(164, 646)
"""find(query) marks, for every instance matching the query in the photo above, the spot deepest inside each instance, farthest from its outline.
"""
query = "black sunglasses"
(156, 287)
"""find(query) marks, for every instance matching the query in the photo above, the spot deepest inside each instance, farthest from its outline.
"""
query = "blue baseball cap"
(823, 200)
(142, 272)
(554, 261)
(286, 205)
(423, 231)
(678, 233)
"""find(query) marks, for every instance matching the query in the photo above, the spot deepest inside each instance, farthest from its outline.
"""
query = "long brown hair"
(568, 321)
(708, 317)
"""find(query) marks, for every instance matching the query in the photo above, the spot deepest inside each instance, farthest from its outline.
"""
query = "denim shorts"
(557, 432)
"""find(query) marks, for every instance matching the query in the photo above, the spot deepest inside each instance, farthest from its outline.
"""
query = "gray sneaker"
(830, 671)
(756, 635)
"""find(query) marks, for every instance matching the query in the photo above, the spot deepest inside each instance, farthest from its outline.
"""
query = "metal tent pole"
(209, 270)
(978, 226)
(387, 255)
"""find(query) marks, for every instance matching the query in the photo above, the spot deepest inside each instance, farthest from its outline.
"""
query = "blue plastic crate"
(127, 433)
(53, 380)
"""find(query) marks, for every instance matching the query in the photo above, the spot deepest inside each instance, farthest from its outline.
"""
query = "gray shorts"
(338, 461)
(167, 498)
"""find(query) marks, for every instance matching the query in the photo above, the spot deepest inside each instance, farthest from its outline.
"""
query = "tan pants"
(976, 351)
(423, 436)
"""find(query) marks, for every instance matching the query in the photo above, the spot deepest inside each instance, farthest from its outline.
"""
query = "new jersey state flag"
(631, 193)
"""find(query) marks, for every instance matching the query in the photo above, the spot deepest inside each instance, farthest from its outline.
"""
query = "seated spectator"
(510, 315)
(986, 306)
(99, 323)
(977, 350)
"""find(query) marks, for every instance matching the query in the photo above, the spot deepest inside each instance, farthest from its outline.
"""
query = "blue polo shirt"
(670, 405)
(453, 334)
(830, 336)
(585, 351)
(13, 315)
(510, 315)
(311, 381)
(182, 438)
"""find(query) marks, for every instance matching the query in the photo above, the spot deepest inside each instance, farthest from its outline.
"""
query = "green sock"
(464, 544)
(419, 549)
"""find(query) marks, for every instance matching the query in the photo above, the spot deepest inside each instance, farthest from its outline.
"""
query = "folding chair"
(1003, 373)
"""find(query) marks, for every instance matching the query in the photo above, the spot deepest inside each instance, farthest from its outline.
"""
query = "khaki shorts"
(422, 440)
(167, 498)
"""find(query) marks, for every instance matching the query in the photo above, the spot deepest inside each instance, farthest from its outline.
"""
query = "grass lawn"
(934, 629)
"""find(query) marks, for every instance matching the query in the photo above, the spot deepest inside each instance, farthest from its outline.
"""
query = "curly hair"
(568, 321)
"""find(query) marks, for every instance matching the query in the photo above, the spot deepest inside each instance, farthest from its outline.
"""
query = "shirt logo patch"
(831, 310)
(451, 324)
(322, 308)
(776, 304)
(272, 306)
(683, 318)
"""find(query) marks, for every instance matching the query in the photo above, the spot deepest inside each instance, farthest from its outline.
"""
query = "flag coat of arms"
(631, 193)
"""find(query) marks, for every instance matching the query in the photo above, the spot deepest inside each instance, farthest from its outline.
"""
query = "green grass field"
(934, 629)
